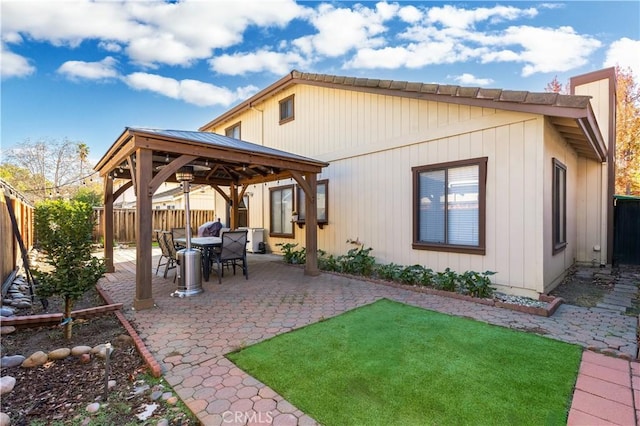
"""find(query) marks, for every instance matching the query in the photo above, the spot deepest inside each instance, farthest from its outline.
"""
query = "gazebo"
(146, 158)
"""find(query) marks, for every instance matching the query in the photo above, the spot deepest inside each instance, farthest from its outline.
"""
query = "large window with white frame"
(559, 206)
(449, 206)
(281, 208)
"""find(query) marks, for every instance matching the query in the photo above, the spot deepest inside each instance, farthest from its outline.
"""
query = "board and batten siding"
(372, 142)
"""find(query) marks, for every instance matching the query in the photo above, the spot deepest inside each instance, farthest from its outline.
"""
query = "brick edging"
(553, 302)
(154, 366)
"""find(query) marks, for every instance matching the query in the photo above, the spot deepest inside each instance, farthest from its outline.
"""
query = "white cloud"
(14, 65)
(454, 17)
(110, 46)
(104, 69)
(570, 50)
(341, 29)
(625, 53)
(410, 14)
(262, 60)
(153, 32)
(467, 79)
(190, 91)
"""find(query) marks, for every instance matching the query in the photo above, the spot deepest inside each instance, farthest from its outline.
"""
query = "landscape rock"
(6, 311)
(4, 419)
(35, 359)
(85, 358)
(93, 407)
(79, 350)
(7, 329)
(60, 353)
(123, 340)
(172, 400)
(6, 384)
(10, 361)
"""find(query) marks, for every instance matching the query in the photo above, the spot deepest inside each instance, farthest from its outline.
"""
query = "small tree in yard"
(63, 232)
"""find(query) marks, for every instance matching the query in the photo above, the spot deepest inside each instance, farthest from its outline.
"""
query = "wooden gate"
(626, 230)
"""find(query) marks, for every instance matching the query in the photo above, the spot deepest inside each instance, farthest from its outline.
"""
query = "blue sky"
(85, 70)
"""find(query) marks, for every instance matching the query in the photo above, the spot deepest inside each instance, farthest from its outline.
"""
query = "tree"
(554, 86)
(46, 168)
(627, 133)
(63, 231)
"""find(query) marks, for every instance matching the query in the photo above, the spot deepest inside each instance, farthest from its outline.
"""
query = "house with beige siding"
(516, 182)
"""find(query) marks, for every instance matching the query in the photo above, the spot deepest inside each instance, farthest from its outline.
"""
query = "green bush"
(293, 256)
(477, 284)
(358, 261)
(63, 233)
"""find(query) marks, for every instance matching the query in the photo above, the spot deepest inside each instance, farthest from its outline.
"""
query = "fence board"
(10, 256)
(124, 222)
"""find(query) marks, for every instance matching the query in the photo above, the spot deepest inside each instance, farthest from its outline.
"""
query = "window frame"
(237, 125)
(479, 249)
(272, 190)
(285, 101)
(301, 205)
(559, 207)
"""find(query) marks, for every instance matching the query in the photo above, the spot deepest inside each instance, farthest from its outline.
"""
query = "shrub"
(477, 284)
(357, 261)
(446, 280)
(292, 256)
(63, 231)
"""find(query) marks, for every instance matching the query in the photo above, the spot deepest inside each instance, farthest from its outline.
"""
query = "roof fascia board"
(279, 85)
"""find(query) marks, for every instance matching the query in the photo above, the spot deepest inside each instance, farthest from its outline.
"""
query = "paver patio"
(190, 336)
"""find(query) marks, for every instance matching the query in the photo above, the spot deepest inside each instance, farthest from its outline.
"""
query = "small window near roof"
(286, 109)
(233, 131)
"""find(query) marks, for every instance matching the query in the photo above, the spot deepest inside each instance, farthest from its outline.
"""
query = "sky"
(86, 70)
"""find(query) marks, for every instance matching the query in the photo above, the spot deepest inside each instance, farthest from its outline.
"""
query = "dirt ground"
(580, 288)
(61, 390)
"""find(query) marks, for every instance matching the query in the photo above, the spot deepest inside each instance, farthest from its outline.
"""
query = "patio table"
(206, 245)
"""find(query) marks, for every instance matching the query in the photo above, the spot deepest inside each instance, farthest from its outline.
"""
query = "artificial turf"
(388, 363)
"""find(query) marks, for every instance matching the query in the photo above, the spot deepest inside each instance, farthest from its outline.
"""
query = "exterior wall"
(372, 142)
(556, 265)
(595, 226)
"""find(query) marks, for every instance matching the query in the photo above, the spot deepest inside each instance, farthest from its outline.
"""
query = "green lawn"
(392, 364)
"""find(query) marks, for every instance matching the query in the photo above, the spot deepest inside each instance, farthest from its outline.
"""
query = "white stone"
(6, 384)
(4, 419)
(93, 407)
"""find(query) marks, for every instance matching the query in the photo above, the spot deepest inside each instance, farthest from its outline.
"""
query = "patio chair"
(178, 233)
(232, 251)
(165, 241)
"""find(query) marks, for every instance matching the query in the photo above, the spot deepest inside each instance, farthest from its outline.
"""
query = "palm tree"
(83, 153)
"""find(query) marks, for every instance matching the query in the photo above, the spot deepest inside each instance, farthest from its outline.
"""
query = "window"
(321, 202)
(281, 204)
(286, 110)
(233, 131)
(559, 206)
(449, 206)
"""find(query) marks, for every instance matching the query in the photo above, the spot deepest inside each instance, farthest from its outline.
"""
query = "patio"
(189, 336)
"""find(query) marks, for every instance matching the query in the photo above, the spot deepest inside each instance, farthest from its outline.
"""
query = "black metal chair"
(232, 251)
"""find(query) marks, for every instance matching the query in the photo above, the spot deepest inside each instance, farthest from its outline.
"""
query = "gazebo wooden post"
(233, 193)
(144, 174)
(311, 221)
(107, 223)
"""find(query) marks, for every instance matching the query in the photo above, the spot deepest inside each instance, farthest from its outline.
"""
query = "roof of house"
(571, 114)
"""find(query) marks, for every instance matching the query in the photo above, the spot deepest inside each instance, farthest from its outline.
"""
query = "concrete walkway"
(190, 336)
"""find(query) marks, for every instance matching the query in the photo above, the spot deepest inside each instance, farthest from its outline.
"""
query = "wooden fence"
(124, 222)
(10, 256)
